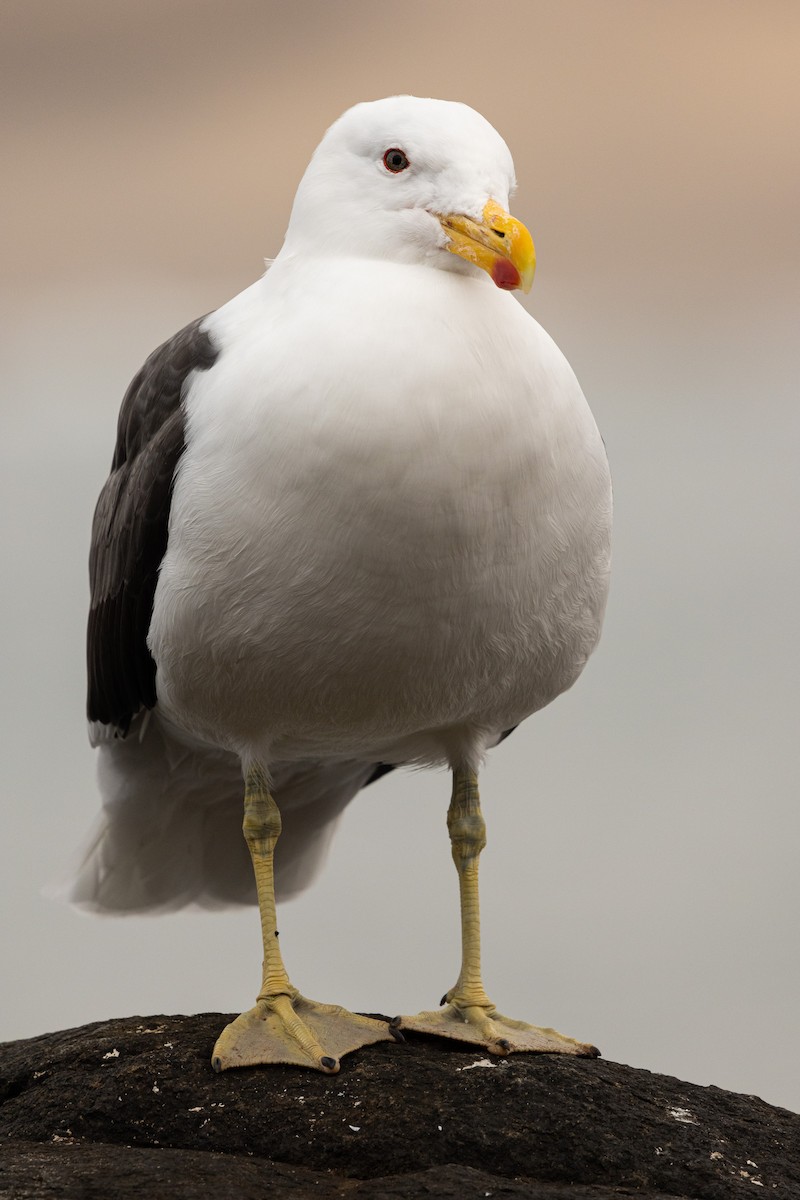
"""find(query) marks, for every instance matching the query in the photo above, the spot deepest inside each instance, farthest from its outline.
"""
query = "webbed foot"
(485, 1026)
(294, 1030)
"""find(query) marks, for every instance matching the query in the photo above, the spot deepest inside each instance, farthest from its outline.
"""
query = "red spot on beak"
(505, 275)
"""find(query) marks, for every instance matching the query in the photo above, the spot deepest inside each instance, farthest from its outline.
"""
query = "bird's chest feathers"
(432, 417)
(375, 460)
(385, 510)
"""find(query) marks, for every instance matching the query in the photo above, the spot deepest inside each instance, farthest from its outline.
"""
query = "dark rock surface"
(132, 1106)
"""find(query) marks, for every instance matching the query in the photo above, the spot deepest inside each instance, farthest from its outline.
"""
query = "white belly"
(378, 566)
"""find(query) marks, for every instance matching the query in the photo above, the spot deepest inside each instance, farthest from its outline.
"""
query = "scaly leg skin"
(284, 1027)
(468, 1014)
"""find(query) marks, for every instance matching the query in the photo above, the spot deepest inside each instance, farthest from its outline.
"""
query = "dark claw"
(504, 1045)
(216, 1063)
(395, 1022)
(328, 1063)
(594, 1052)
(443, 1000)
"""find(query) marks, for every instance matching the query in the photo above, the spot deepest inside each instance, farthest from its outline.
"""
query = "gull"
(357, 517)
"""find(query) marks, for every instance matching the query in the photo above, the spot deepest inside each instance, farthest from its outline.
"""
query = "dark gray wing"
(129, 532)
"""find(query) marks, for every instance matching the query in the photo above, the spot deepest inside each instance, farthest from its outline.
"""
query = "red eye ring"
(395, 160)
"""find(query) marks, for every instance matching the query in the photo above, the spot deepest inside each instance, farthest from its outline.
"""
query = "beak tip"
(526, 275)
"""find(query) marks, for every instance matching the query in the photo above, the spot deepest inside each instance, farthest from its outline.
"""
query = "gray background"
(641, 885)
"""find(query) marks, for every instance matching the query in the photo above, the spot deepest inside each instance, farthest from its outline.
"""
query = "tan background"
(641, 885)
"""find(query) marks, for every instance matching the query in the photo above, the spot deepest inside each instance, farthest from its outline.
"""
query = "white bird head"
(414, 180)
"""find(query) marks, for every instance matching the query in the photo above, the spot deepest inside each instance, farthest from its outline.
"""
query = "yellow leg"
(467, 830)
(467, 1013)
(284, 1027)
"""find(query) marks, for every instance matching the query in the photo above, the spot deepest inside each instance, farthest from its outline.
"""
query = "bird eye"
(395, 160)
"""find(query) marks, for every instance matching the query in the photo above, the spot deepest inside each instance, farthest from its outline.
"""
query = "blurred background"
(644, 891)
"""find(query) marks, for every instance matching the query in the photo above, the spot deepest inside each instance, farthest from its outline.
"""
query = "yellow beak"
(497, 243)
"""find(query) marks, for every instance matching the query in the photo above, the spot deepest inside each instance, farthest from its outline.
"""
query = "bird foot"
(487, 1027)
(295, 1031)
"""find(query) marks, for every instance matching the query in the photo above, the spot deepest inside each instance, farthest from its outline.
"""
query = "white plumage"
(389, 531)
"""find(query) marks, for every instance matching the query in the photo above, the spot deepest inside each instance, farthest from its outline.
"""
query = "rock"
(132, 1107)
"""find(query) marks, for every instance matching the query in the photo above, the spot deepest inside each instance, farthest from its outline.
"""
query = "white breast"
(392, 518)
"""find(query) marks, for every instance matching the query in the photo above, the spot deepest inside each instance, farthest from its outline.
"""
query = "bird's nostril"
(499, 232)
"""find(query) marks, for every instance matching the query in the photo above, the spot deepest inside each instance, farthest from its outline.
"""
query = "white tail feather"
(170, 834)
